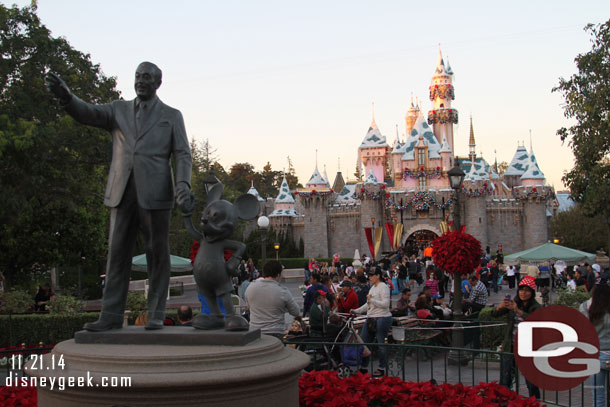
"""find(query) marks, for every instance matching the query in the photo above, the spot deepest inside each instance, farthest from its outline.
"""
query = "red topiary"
(457, 252)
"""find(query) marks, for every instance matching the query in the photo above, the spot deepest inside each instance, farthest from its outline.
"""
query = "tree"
(587, 103)
(240, 176)
(291, 176)
(502, 167)
(52, 170)
(270, 181)
(358, 173)
(578, 231)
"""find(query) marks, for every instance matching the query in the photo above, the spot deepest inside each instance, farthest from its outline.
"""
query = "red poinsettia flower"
(387, 196)
(362, 190)
(457, 252)
(382, 186)
(313, 191)
(534, 189)
(296, 192)
(331, 191)
(421, 168)
(194, 250)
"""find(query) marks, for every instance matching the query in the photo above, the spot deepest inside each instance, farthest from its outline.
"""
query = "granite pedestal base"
(262, 373)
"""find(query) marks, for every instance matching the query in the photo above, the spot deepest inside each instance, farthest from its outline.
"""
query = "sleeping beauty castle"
(405, 195)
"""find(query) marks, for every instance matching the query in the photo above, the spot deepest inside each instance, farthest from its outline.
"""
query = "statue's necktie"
(141, 116)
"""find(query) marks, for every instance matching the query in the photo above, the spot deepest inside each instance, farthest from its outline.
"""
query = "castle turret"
(374, 152)
(412, 115)
(472, 154)
(517, 167)
(446, 156)
(533, 175)
(316, 181)
(442, 116)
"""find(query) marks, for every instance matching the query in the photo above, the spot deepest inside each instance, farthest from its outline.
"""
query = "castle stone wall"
(344, 228)
(505, 224)
(315, 225)
(475, 217)
(535, 228)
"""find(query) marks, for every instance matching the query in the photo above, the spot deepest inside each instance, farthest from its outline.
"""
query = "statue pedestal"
(261, 373)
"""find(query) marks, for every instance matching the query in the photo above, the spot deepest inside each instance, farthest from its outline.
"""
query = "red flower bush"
(457, 252)
(326, 389)
(17, 396)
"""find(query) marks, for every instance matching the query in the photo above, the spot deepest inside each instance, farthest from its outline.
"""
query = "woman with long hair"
(597, 309)
(516, 311)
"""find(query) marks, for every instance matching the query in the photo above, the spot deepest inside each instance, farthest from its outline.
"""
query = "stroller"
(340, 352)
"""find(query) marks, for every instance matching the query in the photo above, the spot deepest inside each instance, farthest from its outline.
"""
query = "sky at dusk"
(264, 80)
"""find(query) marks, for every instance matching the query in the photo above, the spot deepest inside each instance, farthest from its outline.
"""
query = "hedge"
(34, 328)
(299, 262)
(491, 337)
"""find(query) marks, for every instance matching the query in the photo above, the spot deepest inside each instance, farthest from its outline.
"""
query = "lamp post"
(456, 178)
(209, 181)
(373, 236)
(263, 224)
(276, 246)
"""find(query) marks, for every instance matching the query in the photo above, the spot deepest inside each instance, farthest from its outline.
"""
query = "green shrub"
(65, 305)
(16, 301)
(491, 337)
(45, 328)
(299, 262)
(572, 298)
(136, 302)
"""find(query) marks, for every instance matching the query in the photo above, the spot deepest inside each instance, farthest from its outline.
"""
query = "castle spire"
(471, 143)
(373, 124)
(440, 64)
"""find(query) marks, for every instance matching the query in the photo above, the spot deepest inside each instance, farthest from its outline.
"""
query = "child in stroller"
(339, 348)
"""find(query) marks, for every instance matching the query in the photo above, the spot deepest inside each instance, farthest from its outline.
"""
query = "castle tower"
(446, 155)
(475, 207)
(411, 117)
(283, 209)
(442, 116)
(261, 201)
(533, 175)
(374, 152)
(472, 154)
(517, 167)
(535, 224)
(371, 208)
(316, 181)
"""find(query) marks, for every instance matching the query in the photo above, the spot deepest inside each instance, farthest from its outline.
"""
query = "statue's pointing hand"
(58, 87)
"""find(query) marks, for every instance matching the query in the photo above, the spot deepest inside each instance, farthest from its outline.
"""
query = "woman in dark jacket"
(516, 311)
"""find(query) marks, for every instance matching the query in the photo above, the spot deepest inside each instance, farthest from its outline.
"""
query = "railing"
(13, 359)
(416, 362)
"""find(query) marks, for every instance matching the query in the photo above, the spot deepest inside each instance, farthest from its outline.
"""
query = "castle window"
(421, 157)
(422, 183)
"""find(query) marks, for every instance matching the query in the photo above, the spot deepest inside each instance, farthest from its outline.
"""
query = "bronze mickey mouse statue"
(212, 274)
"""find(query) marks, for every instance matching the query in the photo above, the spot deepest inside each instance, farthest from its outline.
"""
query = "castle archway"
(420, 236)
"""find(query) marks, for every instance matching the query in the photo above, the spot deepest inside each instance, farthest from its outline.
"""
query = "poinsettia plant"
(326, 389)
(457, 252)
(17, 396)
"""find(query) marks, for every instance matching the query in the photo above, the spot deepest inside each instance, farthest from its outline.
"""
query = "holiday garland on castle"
(485, 189)
(442, 116)
(524, 194)
(442, 91)
(421, 201)
(422, 172)
(372, 195)
(314, 192)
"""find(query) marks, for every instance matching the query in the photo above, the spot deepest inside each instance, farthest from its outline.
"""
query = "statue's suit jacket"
(146, 152)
